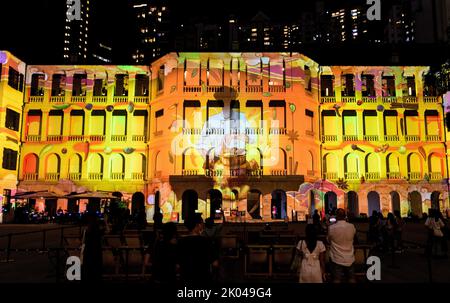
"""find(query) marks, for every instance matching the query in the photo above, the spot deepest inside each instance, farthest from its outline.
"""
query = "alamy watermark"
(374, 11)
(73, 10)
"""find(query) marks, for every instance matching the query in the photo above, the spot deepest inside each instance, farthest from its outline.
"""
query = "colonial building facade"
(268, 135)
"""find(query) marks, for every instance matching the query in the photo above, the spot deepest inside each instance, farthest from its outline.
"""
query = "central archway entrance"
(215, 203)
(352, 203)
(253, 199)
(189, 203)
(279, 204)
(373, 200)
(435, 200)
(137, 203)
(395, 201)
(330, 201)
(415, 200)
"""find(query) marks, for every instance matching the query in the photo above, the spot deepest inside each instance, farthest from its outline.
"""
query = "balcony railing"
(117, 176)
(254, 173)
(99, 99)
(192, 89)
(30, 176)
(95, 176)
(215, 131)
(215, 89)
(348, 99)
(428, 99)
(75, 176)
(278, 172)
(371, 138)
(253, 131)
(192, 131)
(236, 88)
(329, 138)
(410, 99)
(214, 172)
(33, 138)
(433, 138)
(57, 99)
(372, 176)
(120, 99)
(328, 99)
(254, 89)
(36, 99)
(236, 172)
(277, 88)
(389, 99)
(51, 176)
(78, 99)
(371, 99)
(412, 138)
(391, 138)
(394, 175)
(330, 176)
(277, 131)
(352, 176)
(137, 176)
(54, 138)
(77, 138)
(350, 137)
(189, 172)
(97, 138)
(138, 138)
(118, 138)
(435, 176)
(414, 175)
(141, 99)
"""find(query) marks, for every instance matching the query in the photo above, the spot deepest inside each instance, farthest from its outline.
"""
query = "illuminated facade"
(11, 101)
(267, 134)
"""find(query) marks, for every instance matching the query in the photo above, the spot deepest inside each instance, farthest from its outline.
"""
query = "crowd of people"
(386, 233)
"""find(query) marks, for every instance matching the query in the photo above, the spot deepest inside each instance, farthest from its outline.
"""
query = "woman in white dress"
(312, 253)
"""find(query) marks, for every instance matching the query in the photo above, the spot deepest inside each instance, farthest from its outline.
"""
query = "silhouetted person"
(195, 253)
(399, 232)
(341, 236)
(165, 254)
(92, 256)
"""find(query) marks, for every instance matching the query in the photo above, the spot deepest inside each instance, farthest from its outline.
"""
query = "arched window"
(351, 167)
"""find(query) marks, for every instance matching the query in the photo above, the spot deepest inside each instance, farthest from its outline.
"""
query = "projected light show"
(252, 136)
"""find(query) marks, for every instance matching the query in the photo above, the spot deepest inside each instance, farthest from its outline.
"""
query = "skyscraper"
(152, 26)
(76, 32)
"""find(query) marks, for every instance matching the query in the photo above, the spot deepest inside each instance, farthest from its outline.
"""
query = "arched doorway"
(435, 200)
(253, 198)
(312, 202)
(395, 201)
(330, 201)
(189, 203)
(415, 202)
(373, 200)
(279, 204)
(93, 205)
(137, 203)
(50, 206)
(215, 202)
(352, 203)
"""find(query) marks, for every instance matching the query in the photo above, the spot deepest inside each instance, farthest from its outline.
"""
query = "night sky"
(33, 30)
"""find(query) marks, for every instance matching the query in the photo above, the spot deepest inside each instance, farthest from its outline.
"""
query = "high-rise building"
(76, 32)
(152, 21)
